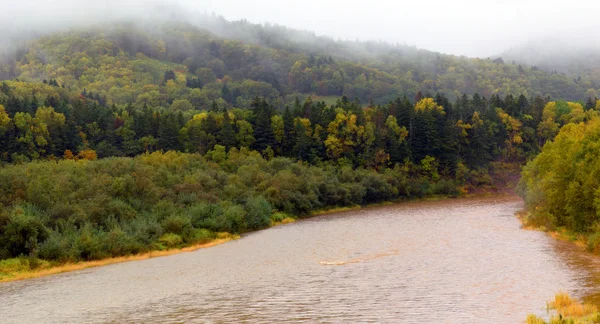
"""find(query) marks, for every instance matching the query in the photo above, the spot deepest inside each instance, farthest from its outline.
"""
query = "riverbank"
(27, 268)
(568, 310)
(585, 241)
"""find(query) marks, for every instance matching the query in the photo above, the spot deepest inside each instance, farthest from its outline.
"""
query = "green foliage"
(170, 240)
(258, 213)
(278, 217)
(23, 232)
(561, 184)
(90, 210)
(201, 236)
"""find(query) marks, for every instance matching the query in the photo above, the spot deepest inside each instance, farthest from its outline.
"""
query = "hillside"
(577, 60)
(237, 61)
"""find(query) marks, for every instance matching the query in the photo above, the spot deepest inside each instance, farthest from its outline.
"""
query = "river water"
(450, 261)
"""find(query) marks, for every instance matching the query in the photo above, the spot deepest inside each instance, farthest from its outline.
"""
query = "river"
(449, 261)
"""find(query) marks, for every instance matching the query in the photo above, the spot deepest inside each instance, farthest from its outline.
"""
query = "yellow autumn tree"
(427, 104)
(4, 120)
(344, 134)
(277, 126)
(513, 129)
(89, 155)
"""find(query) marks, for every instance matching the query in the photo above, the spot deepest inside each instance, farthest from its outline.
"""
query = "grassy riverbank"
(27, 268)
(568, 311)
(589, 240)
(21, 268)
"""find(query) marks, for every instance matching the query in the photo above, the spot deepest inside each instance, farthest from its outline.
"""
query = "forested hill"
(234, 62)
(579, 60)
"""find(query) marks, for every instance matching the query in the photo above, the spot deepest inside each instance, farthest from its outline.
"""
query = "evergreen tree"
(263, 132)
(169, 75)
(226, 135)
(168, 132)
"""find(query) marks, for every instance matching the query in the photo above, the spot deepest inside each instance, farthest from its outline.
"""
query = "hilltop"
(233, 62)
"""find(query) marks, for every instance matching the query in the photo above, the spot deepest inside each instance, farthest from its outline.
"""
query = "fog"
(469, 27)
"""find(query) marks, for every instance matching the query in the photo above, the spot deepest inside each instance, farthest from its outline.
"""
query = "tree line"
(40, 121)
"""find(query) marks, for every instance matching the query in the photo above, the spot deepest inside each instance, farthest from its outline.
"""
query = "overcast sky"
(463, 27)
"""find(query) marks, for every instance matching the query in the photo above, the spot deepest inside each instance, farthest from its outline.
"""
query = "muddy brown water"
(449, 261)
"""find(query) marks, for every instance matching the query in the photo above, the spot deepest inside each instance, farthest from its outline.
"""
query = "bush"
(237, 216)
(258, 213)
(145, 230)
(177, 224)
(67, 212)
(446, 187)
(278, 217)
(208, 216)
(120, 210)
(60, 247)
(376, 188)
(170, 240)
(200, 236)
(593, 241)
(117, 243)
(22, 234)
(89, 244)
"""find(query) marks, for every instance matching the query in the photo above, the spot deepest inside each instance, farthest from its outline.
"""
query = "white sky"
(461, 27)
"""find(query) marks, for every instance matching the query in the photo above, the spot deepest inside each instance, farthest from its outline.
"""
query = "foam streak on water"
(454, 261)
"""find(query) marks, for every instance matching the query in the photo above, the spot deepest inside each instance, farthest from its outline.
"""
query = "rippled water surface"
(452, 261)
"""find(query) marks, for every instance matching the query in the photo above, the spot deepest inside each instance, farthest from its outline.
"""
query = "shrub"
(258, 213)
(376, 188)
(446, 187)
(145, 229)
(67, 212)
(200, 236)
(117, 243)
(237, 216)
(593, 241)
(60, 247)
(170, 240)
(22, 234)
(205, 215)
(278, 217)
(120, 210)
(177, 224)
(89, 244)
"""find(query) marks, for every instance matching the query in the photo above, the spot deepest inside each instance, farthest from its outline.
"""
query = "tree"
(169, 75)
(244, 134)
(5, 121)
(263, 131)
(513, 129)
(181, 105)
(168, 132)
(226, 136)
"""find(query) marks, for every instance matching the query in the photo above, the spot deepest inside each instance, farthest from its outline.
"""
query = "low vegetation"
(568, 311)
(69, 211)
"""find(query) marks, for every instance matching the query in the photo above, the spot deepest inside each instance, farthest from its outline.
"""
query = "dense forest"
(126, 63)
(119, 140)
(45, 121)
